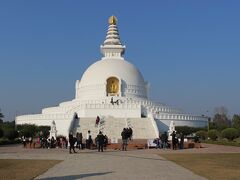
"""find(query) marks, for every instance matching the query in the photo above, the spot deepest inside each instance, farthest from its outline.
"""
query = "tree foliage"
(1, 116)
(27, 130)
(213, 134)
(31, 130)
(10, 134)
(236, 121)
(202, 134)
(221, 121)
(7, 130)
(186, 130)
(1, 132)
(221, 110)
(230, 133)
(43, 131)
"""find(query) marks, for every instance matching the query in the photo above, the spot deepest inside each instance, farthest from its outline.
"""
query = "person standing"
(71, 141)
(181, 141)
(100, 141)
(130, 133)
(174, 140)
(30, 141)
(24, 141)
(105, 142)
(124, 135)
(97, 121)
(88, 139)
(79, 140)
(164, 138)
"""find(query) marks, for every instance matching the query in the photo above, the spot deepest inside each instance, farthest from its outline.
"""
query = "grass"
(24, 169)
(222, 142)
(212, 166)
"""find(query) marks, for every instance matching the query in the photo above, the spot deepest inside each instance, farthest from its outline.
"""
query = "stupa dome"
(112, 75)
(101, 70)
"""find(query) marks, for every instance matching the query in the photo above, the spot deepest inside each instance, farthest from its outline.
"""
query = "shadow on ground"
(75, 176)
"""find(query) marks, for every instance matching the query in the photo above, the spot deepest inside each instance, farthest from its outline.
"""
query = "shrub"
(10, 134)
(31, 130)
(44, 131)
(237, 140)
(1, 132)
(27, 130)
(4, 141)
(213, 134)
(236, 121)
(202, 134)
(186, 130)
(230, 133)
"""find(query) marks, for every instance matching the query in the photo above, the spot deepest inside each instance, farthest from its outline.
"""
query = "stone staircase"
(112, 127)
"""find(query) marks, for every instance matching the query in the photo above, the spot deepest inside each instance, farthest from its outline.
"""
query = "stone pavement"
(112, 164)
(89, 164)
(117, 165)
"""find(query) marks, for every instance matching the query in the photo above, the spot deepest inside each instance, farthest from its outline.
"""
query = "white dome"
(112, 75)
(93, 83)
(100, 71)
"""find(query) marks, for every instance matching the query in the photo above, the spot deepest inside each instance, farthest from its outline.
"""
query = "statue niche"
(112, 86)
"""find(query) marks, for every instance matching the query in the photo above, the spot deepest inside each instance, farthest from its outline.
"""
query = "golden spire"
(112, 20)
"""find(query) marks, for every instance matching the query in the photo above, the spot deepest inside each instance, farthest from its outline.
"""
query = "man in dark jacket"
(100, 141)
(71, 142)
(164, 139)
(124, 135)
(174, 140)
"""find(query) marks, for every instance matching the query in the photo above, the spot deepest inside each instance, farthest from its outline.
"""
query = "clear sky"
(189, 51)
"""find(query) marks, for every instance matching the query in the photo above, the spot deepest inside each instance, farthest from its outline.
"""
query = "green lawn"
(24, 169)
(212, 166)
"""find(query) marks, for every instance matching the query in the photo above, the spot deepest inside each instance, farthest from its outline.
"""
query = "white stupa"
(115, 90)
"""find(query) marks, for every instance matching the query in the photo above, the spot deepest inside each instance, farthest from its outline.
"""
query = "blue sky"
(189, 51)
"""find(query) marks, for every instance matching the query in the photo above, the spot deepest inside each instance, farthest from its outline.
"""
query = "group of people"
(101, 141)
(42, 142)
(126, 135)
(163, 143)
(175, 140)
(26, 141)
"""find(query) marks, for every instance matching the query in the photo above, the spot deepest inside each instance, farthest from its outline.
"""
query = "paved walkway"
(133, 164)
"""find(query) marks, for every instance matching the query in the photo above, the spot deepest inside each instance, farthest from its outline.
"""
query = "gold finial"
(112, 20)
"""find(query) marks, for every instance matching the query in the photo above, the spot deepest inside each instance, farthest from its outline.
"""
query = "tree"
(27, 130)
(221, 121)
(221, 110)
(44, 131)
(1, 117)
(230, 133)
(1, 132)
(202, 134)
(186, 130)
(10, 134)
(213, 134)
(236, 121)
